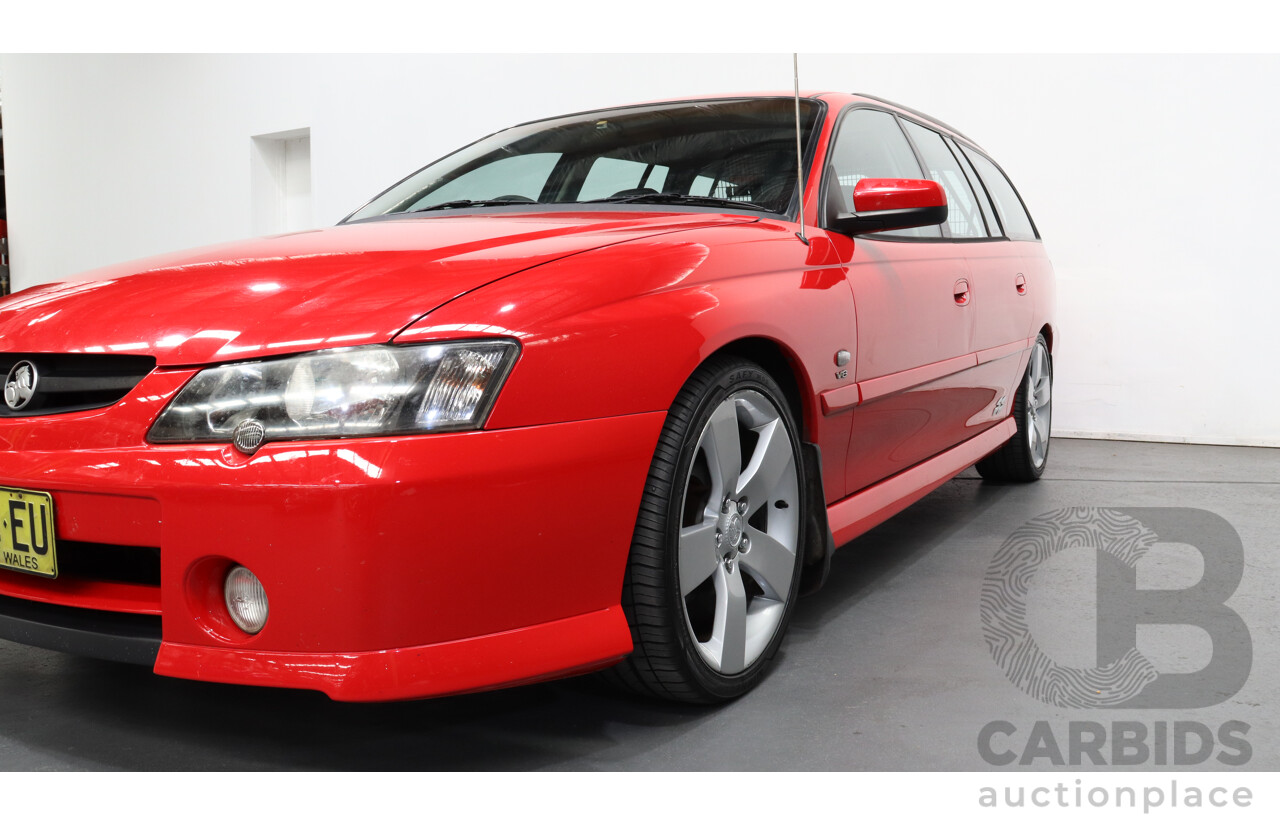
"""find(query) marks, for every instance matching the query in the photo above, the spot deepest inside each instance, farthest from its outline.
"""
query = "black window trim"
(933, 123)
(945, 236)
(791, 213)
(1034, 229)
(943, 229)
(964, 143)
(966, 166)
(946, 229)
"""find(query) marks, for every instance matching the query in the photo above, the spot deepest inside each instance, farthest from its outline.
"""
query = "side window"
(522, 175)
(1014, 218)
(993, 226)
(871, 144)
(964, 218)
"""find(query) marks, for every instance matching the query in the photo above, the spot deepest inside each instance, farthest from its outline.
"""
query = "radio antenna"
(795, 69)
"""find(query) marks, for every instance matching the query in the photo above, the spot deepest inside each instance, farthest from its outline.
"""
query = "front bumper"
(396, 567)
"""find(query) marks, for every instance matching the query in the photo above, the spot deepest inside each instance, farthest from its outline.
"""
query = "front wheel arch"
(784, 367)
(665, 588)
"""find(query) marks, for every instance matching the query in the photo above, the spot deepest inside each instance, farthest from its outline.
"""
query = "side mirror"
(882, 204)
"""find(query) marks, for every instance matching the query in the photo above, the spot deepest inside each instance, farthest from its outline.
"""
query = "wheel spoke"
(729, 634)
(698, 557)
(772, 458)
(770, 563)
(739, 487)
(1042, 433)
(1042, 395)
(724, 447)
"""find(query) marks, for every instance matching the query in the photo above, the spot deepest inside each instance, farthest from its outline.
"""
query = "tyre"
(715, 560)
(1024, 456)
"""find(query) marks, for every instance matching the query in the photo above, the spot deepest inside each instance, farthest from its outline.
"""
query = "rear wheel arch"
(1047, 332)
(1023, 457)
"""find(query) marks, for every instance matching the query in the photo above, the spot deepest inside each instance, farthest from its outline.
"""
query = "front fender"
(618, 330)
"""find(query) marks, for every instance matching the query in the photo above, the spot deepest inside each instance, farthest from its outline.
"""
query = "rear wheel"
(1025, 455)
(715, 562)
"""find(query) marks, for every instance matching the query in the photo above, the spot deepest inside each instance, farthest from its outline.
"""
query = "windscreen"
(737, 154)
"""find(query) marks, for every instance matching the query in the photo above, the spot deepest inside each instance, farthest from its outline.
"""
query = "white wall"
(1151, 178)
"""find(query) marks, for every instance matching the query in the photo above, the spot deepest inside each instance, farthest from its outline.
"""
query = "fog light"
(246, 600)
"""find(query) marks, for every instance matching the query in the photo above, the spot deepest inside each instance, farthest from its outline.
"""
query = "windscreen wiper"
(466, 204)
(673, 198)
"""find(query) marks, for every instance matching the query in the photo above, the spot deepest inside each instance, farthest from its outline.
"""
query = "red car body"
(420, 565)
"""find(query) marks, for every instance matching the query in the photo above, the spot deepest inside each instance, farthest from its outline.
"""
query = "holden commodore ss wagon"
(603, 391)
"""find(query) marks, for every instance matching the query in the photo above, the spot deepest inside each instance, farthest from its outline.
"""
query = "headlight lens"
(359, 391)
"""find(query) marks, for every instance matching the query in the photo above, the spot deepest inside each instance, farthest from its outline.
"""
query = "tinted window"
(964, 218)
(1016, 222)
(609, 176)
(522, 175)
(871, 145)
(993, 225)
(739, 150)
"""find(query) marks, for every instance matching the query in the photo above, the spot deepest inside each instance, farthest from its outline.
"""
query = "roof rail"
(920, 114)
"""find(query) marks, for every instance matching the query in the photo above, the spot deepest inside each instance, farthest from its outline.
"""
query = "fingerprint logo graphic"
(1124, 677)
(1004, 608)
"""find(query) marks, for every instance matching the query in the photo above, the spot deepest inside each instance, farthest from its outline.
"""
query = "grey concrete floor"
(886, 668)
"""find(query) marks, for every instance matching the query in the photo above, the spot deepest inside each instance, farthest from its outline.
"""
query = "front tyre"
(1023, 457)
(715, 560)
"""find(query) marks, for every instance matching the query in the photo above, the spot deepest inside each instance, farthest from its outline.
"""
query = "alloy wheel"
(739, 532)
(1039, 404)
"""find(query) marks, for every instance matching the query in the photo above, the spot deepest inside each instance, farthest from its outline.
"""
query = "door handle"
(961, 292)
(1020, 284)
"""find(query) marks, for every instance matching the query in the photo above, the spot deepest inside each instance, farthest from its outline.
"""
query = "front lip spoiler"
(522, 655)
(100, 634)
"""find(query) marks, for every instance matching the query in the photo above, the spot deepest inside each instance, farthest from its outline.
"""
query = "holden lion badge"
(20, 386)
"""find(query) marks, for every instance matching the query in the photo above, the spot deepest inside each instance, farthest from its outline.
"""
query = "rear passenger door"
(1006, 277)
(1002, 312)
(912, 298)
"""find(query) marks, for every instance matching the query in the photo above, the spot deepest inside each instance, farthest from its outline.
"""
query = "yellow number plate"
(26, 532)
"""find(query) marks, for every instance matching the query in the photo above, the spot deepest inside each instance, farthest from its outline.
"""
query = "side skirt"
(851, 517)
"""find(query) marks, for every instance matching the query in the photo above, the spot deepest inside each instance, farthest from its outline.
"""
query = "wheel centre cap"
(732, 528)
(734, 533)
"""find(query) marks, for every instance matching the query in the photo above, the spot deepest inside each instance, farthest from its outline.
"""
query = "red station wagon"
(585, 394)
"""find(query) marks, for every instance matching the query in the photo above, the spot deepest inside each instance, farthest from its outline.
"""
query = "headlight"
(359, 391)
